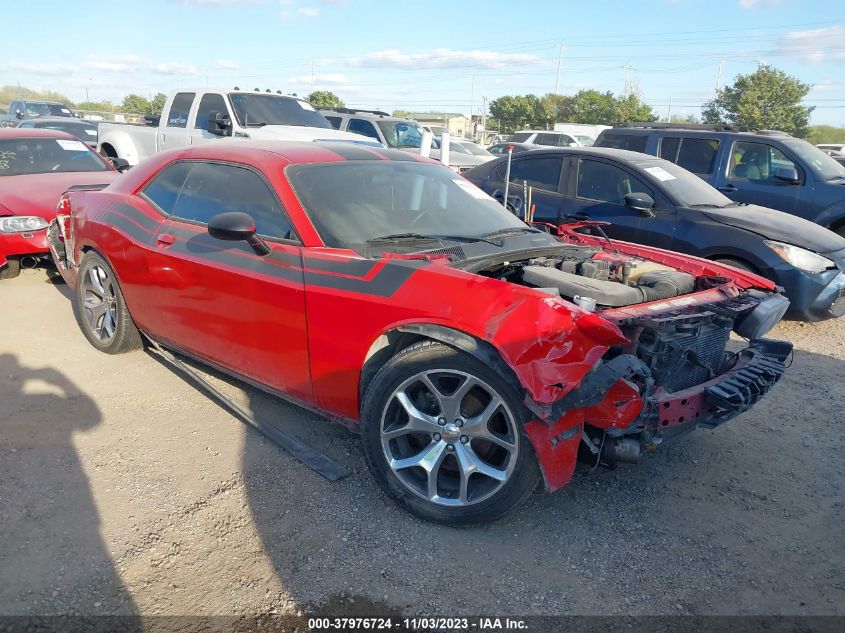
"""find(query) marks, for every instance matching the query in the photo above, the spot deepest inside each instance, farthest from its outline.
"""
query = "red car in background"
(477, 354)
(36, 167)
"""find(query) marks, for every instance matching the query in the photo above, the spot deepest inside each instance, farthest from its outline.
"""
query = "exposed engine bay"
(616, 282)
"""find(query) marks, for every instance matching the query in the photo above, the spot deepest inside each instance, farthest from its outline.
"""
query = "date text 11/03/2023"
(417, 624)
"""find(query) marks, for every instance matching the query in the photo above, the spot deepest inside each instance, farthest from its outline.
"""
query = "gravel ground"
(125, 490)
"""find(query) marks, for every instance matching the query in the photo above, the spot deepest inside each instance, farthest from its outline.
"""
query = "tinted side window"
(179, 109)
(165, 187)
(669, 148)
(697, 154)
(209, 103)
(607, 183)
(198, 191)
(632, 142)
(520, 137)
(360, 126)
(334, 120)
(541, 173)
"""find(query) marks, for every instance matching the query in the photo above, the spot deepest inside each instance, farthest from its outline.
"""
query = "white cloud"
(816, 45)
(284, 14)
(757, 4)
(328, 78)
(174, 69)
(228, 64)
(41, 69)
(119, 64)
(309, 12)
(215, 3)
(442, 58)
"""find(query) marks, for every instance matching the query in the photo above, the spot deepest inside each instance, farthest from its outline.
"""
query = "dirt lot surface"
(125, 490)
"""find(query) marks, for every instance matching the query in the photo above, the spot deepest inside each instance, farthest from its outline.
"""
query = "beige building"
(457, 124)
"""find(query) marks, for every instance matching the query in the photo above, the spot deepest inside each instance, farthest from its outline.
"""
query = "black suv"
(769, 168)
(655, 202)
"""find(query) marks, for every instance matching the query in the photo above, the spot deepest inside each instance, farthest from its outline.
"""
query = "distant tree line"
(131, 104)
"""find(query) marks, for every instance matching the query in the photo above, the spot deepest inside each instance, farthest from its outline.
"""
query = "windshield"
(401, 133)
(84, 131)
(475, 149)
(374, 199)
(689, 189)
(40, 108)
(258, 109)
(821, 163)
(20, 156)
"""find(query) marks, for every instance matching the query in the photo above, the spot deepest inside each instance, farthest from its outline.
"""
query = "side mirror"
(572, 144)
(235, 226)
(788, 175)
(120, 164)
(18, 114)
(219, 124)
(641, 202)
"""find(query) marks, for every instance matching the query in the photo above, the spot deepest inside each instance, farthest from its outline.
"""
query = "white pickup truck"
(202, 116)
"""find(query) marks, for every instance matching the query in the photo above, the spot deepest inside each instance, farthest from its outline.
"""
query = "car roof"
(683, 131)
(365, 115)
(59, 119)
(298, 152)
(33, 132)
(602, 152)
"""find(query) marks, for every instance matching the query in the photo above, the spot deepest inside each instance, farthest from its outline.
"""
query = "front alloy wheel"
(444, 435)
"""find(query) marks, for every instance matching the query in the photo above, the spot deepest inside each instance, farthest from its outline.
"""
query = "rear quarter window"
(631, 142)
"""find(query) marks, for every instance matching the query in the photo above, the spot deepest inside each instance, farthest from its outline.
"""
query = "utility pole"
(669, 114)
(559, 59)
(719, 75)
(471, 99)
(484, 114)
(627, 67)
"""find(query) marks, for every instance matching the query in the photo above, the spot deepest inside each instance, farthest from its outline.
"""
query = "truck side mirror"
(219, 123)
(788, 175)
(120, 164)
(18, 114)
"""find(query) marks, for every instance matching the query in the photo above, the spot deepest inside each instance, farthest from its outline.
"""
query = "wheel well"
(393, 341)
(742, 260)
(108, 151)
(838, 226)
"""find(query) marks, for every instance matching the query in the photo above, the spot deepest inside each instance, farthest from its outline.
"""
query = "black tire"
(737, 263)
(496, 497)
(122, 336)
(11, 269)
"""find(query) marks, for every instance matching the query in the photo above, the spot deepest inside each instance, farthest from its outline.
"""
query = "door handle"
(165, 239)
(728, 188)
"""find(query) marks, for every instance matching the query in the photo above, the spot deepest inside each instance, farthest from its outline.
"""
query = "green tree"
(95, 106)
(514, 112)
(826, 134)
(135, 104)
(157, 104)
(592, 106)
(768, 98)
(630, 108)
(325, 99)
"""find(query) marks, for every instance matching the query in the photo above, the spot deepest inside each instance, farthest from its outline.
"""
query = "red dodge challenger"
(36, 167)
(385, 291)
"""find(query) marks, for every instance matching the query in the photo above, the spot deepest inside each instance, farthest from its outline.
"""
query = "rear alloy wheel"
(443, 434)
(101, 310)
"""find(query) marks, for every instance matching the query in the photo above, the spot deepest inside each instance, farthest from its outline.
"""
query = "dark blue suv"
(652, 201)
(768, 168)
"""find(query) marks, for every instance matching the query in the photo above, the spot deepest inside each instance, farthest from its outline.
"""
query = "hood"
(38, 194)
(779, 226)
(456, 159)
(303, 133)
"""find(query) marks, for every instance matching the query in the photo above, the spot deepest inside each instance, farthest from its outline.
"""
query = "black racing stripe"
(350, 151)
(144, 220)
(204, 247)
(388, 280)
(352, 267)
(185, 233)
(130, 228)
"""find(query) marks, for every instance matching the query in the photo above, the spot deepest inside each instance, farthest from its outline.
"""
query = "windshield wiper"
(513, 229)
(395, 237)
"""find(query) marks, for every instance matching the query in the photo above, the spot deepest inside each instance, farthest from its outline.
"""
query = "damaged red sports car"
(385, 291)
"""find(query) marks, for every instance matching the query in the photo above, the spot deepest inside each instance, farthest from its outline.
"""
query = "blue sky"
(425, 55)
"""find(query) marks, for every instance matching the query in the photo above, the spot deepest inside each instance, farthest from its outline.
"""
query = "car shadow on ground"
(735, 520)
(40, 413)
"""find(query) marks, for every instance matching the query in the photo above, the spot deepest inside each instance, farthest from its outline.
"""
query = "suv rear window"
(520, 137)
(694, 154)
(631, 142)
